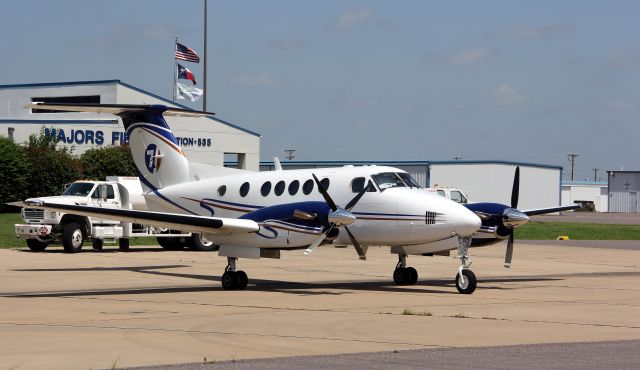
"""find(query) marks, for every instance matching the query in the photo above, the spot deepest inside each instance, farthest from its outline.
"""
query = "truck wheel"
(199, 243)
(97, 244)
(123, 244)
(36, 245)
(72, 238)
(172, 244)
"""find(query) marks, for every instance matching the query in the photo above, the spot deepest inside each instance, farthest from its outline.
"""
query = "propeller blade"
(509, 254)
(515, 192)
(316, 243)
(356, 199)
(362, 251)
(325, 195)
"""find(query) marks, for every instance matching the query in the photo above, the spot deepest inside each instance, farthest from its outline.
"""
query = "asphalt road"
(589, 355)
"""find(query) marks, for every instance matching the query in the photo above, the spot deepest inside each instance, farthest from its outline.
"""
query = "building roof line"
(59, 121)
(106, 82)
(513, 163)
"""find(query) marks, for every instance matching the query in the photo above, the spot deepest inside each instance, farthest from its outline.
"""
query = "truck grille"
(33, 214)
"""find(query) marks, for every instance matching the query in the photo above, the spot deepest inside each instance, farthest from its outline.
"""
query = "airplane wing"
(188, 223)
(542, 211)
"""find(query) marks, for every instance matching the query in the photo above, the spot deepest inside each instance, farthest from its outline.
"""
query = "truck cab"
(453, 194)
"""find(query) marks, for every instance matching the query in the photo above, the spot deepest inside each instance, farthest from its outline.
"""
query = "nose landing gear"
(465, 279)
(232, 278)
(404, 275)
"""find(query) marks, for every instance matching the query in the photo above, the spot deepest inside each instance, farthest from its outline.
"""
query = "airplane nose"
(467, 222)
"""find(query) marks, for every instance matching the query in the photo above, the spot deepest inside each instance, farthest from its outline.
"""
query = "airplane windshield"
(408, 180)
(81, 189)
(388, 180)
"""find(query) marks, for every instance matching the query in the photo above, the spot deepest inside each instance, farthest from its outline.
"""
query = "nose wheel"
(233, 279)
(404, 275)
(466, 281)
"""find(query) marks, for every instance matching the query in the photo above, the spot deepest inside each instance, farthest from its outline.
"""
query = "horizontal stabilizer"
(185, 223)
(117, 108)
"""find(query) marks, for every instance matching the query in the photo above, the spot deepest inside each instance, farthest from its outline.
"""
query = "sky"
(524, 81)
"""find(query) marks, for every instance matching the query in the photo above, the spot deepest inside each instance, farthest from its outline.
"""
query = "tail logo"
(153, 158)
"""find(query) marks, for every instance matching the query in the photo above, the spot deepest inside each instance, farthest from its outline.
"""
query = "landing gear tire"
(228, 280)
(171, 244)
(467, 286)
(36, 245)
(72, 238)
(96, 244)
(405, 276)
(241, 280)
(199, 243)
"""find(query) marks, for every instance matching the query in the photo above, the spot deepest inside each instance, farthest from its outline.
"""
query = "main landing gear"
(404, 275)
(465, 279)
(232, 278)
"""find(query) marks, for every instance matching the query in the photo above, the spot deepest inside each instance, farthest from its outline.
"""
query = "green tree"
(99, 163)
(50, 166)
(13, 172)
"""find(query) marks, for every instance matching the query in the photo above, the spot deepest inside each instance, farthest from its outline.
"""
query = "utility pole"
(290, 152)
(572, 160)
(457, 158)
(595, 174)
(204, 66)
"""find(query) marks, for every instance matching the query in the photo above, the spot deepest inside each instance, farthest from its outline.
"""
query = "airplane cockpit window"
(457, 197)
(307, 188)
(293, 187)
(408, 180)
(244, 189)
(325, 183)
(222, 189)
(388, 180)
(441, 193)
(81, 189)
(265, 189)
(279, 189)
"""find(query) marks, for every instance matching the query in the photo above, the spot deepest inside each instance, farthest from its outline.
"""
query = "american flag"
(186, 53)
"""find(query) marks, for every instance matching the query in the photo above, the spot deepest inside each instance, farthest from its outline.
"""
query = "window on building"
(307, 188)
(279, 189)
(244, 189)
(293, 187)
(87, 99)
(265, 189)
(10, 132)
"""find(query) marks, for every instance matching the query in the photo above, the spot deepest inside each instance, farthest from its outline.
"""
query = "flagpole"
(204, 70)
(175, 70)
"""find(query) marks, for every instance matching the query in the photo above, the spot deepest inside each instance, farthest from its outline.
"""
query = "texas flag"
(185, 74)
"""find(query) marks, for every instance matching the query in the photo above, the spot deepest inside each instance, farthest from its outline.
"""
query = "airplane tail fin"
(159, 160)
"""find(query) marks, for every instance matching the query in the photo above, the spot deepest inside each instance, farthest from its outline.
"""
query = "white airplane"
(257, 214)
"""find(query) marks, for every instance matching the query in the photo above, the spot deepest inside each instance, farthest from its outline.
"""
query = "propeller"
(512, 217)
(340, 217)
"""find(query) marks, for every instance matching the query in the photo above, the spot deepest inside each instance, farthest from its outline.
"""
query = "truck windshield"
(81, 189)
(388, 180)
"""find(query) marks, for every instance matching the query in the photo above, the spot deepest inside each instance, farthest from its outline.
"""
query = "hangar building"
(623, 191)
(483, 181)
(586, 191)
(204, 139)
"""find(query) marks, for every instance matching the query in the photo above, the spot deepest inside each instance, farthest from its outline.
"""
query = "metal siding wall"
(621, 184)
(539, 187)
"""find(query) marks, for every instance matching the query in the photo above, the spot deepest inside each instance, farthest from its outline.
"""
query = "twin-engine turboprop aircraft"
(258, 214)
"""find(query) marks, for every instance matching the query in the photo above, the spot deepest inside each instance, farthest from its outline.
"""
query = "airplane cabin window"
(408, 180)
(388, 180)
(307, 188)
(325, 183)
(441, 193)
(244, 189)
(279, 189)
(293, 187)
(357, 184)
(222, 189)
(265, 189)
